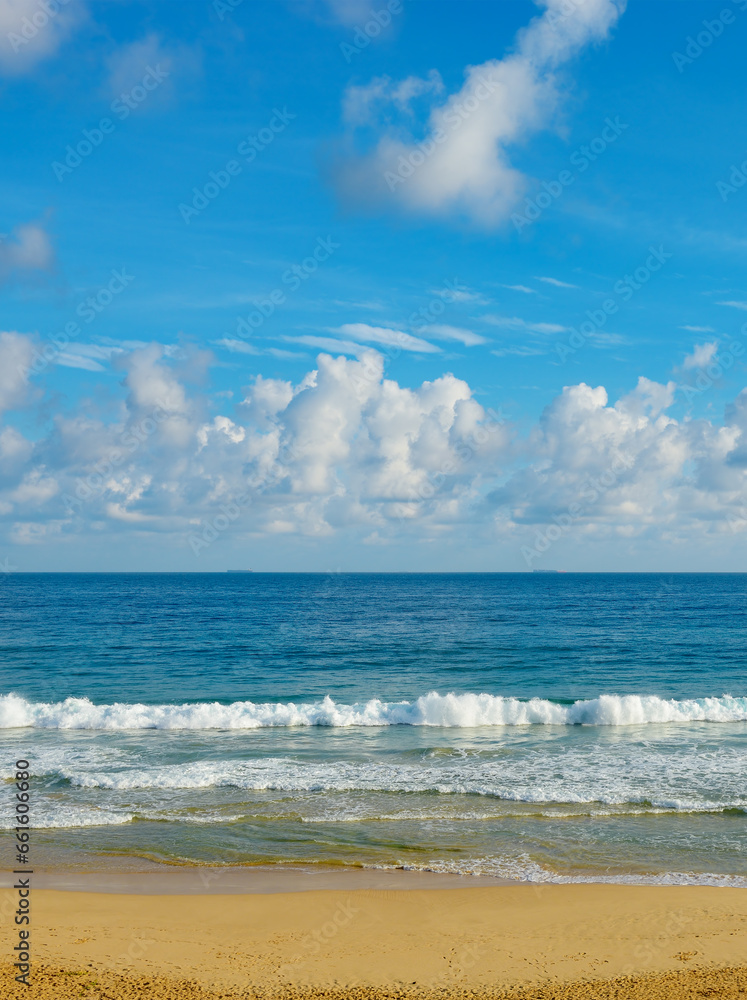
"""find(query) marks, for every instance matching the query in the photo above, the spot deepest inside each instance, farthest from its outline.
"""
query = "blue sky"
(443, 385)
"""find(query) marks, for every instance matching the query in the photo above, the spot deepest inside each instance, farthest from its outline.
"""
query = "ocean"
(540, 727)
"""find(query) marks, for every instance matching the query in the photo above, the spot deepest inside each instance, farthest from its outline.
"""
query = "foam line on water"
(433, 709)
(524, 869)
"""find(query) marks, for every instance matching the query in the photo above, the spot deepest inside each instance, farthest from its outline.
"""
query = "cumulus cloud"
(26, 250)
(345, 445)
(347, 448)
(129, 64)
(349, 439)
(31, 31)
(458, 161)
(619, 468)
(701, 355)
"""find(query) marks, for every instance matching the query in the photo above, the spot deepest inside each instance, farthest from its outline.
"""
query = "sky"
(336, 285)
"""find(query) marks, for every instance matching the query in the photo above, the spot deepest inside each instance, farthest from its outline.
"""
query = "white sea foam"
(433, 709)
(56, 816)
(524, 869)
(577, 779)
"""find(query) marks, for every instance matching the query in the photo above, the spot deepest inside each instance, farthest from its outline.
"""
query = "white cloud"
(35, 488)
(29, 33)
(519, 352)
(361, 443)
(220, 425)
(27, 249)
(556, 282)
(128, 65)
(520, 288)
(701, 355)
(242, 347)
(70, 360)
(459, 293)
(361, 104)
(382, 335)
(90, 357)
(516, 323)
(237, 346)
(698, 329)
(351, 12)
(442, 331)
(462, 165)
(34, 532)
(733, 304)
(152, 383)
(346, 448)
(619, 469)
(16, 353)
(329, 344)
(282, 354)
(344, 445)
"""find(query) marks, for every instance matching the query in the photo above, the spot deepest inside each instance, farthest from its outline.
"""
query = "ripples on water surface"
(533, 725)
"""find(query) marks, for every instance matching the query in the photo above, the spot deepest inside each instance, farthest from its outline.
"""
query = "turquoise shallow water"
(535, 726)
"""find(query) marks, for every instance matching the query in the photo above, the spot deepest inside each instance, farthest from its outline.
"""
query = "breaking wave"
(433, 709)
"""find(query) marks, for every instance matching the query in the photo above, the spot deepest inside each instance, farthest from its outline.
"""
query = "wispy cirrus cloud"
(461, 294)
(556, 282)
(242, 347)
(237, 346)
(521, 351)
(331, 344)
(383, 335)
(442, 331)
(516, 323)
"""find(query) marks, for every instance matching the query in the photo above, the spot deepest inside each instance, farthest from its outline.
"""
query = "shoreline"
(496, 941)
(188, 880)
(142, 876)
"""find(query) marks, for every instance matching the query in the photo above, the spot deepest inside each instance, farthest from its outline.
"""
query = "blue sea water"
(535, 726)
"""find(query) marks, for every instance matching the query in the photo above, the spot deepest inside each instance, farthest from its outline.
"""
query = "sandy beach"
(559, 941)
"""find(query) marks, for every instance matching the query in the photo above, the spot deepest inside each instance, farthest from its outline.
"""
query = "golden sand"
(563, 942)
(50, 983)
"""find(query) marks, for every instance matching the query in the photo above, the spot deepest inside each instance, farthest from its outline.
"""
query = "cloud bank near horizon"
(349, 449)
